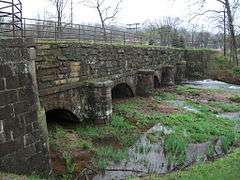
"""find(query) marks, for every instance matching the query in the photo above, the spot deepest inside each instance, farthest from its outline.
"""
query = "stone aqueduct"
(78, 79)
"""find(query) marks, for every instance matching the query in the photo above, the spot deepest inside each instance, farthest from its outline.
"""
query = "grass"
(225, 168)
(225, 107)
(235, 98)
(60, 139)
(9, 176)
(104, 155)
(196, 127)
(188, 89)
(174, 148)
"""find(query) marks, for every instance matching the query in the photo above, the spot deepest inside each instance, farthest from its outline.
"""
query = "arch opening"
(156, 82)
(122, 91)
(61, 117)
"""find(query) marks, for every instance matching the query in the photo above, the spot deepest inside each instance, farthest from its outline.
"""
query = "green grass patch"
(235, 98)
(103, 155)
(196, 127)
(130, 106)
(165, 96)
(60, 139)
(225, 107)
(174, 148)
(181, 89)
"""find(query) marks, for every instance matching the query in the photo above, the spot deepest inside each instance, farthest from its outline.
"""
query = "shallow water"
(147, 157)
(231, 115)
(212, 84)
(182, 104)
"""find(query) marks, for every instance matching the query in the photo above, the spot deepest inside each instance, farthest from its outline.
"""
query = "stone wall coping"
(17, 42)
(65, 87)
(99, 84)
(58, 89)
(146, 71)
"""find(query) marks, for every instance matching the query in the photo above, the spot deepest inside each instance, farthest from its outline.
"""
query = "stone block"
(5, 71)
(21, 107)
(2, 84)
(12, 82)
(6, 112)
(26, 94)
(7, 148)
(8, 97)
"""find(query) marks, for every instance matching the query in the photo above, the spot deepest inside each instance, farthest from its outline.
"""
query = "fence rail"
(51, 30)
(13, 25)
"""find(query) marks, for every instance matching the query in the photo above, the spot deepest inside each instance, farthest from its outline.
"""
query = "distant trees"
(230, 7)
(59, 5)
(171, 32)
(163, 31)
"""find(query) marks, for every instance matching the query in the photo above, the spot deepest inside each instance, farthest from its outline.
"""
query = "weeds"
(235, 98)
(174, 148)
(225, 107)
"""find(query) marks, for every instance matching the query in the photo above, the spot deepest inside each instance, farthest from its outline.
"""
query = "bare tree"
(164, 30)
(59, 5)
(106, 12)
(230, 8)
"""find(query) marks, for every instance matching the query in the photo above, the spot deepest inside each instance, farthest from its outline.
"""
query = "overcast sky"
(132, 11)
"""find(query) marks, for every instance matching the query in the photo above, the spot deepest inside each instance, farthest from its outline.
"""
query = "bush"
(236, 71)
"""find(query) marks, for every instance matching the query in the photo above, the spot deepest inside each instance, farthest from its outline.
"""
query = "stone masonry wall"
(64, 63)
(23, 136)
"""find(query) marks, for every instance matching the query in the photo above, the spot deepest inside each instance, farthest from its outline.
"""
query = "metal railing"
(11, 18)
(50, 30)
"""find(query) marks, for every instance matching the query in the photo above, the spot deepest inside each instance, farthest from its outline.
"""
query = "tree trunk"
(232, 33)
(103, 24)
(224, 34)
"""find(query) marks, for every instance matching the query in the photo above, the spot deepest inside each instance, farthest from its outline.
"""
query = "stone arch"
(60, 115)
(121, 91)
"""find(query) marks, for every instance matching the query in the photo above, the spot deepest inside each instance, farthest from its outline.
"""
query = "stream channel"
(148, 157)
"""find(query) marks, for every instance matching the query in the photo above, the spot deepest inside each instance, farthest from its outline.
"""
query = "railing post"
(111, 33)
(13, 19)
(79, 32)
(55, 31)
(95, 34)
(24, 28)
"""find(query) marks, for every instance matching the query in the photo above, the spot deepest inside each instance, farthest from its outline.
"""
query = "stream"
(212, 84)
(148, 157)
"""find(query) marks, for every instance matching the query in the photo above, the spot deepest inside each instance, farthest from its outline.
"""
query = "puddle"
(211, 84)
(182, 104)
(231, 115)
(147, 157)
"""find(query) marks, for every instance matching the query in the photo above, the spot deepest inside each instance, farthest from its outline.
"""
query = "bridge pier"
(180, 71)
(168, 75)
(145, 82)
(100, 101)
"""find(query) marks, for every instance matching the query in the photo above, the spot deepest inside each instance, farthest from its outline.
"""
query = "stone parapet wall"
(64, 63)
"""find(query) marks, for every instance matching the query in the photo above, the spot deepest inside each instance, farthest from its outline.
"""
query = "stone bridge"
(82, 79)
(76, 81)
